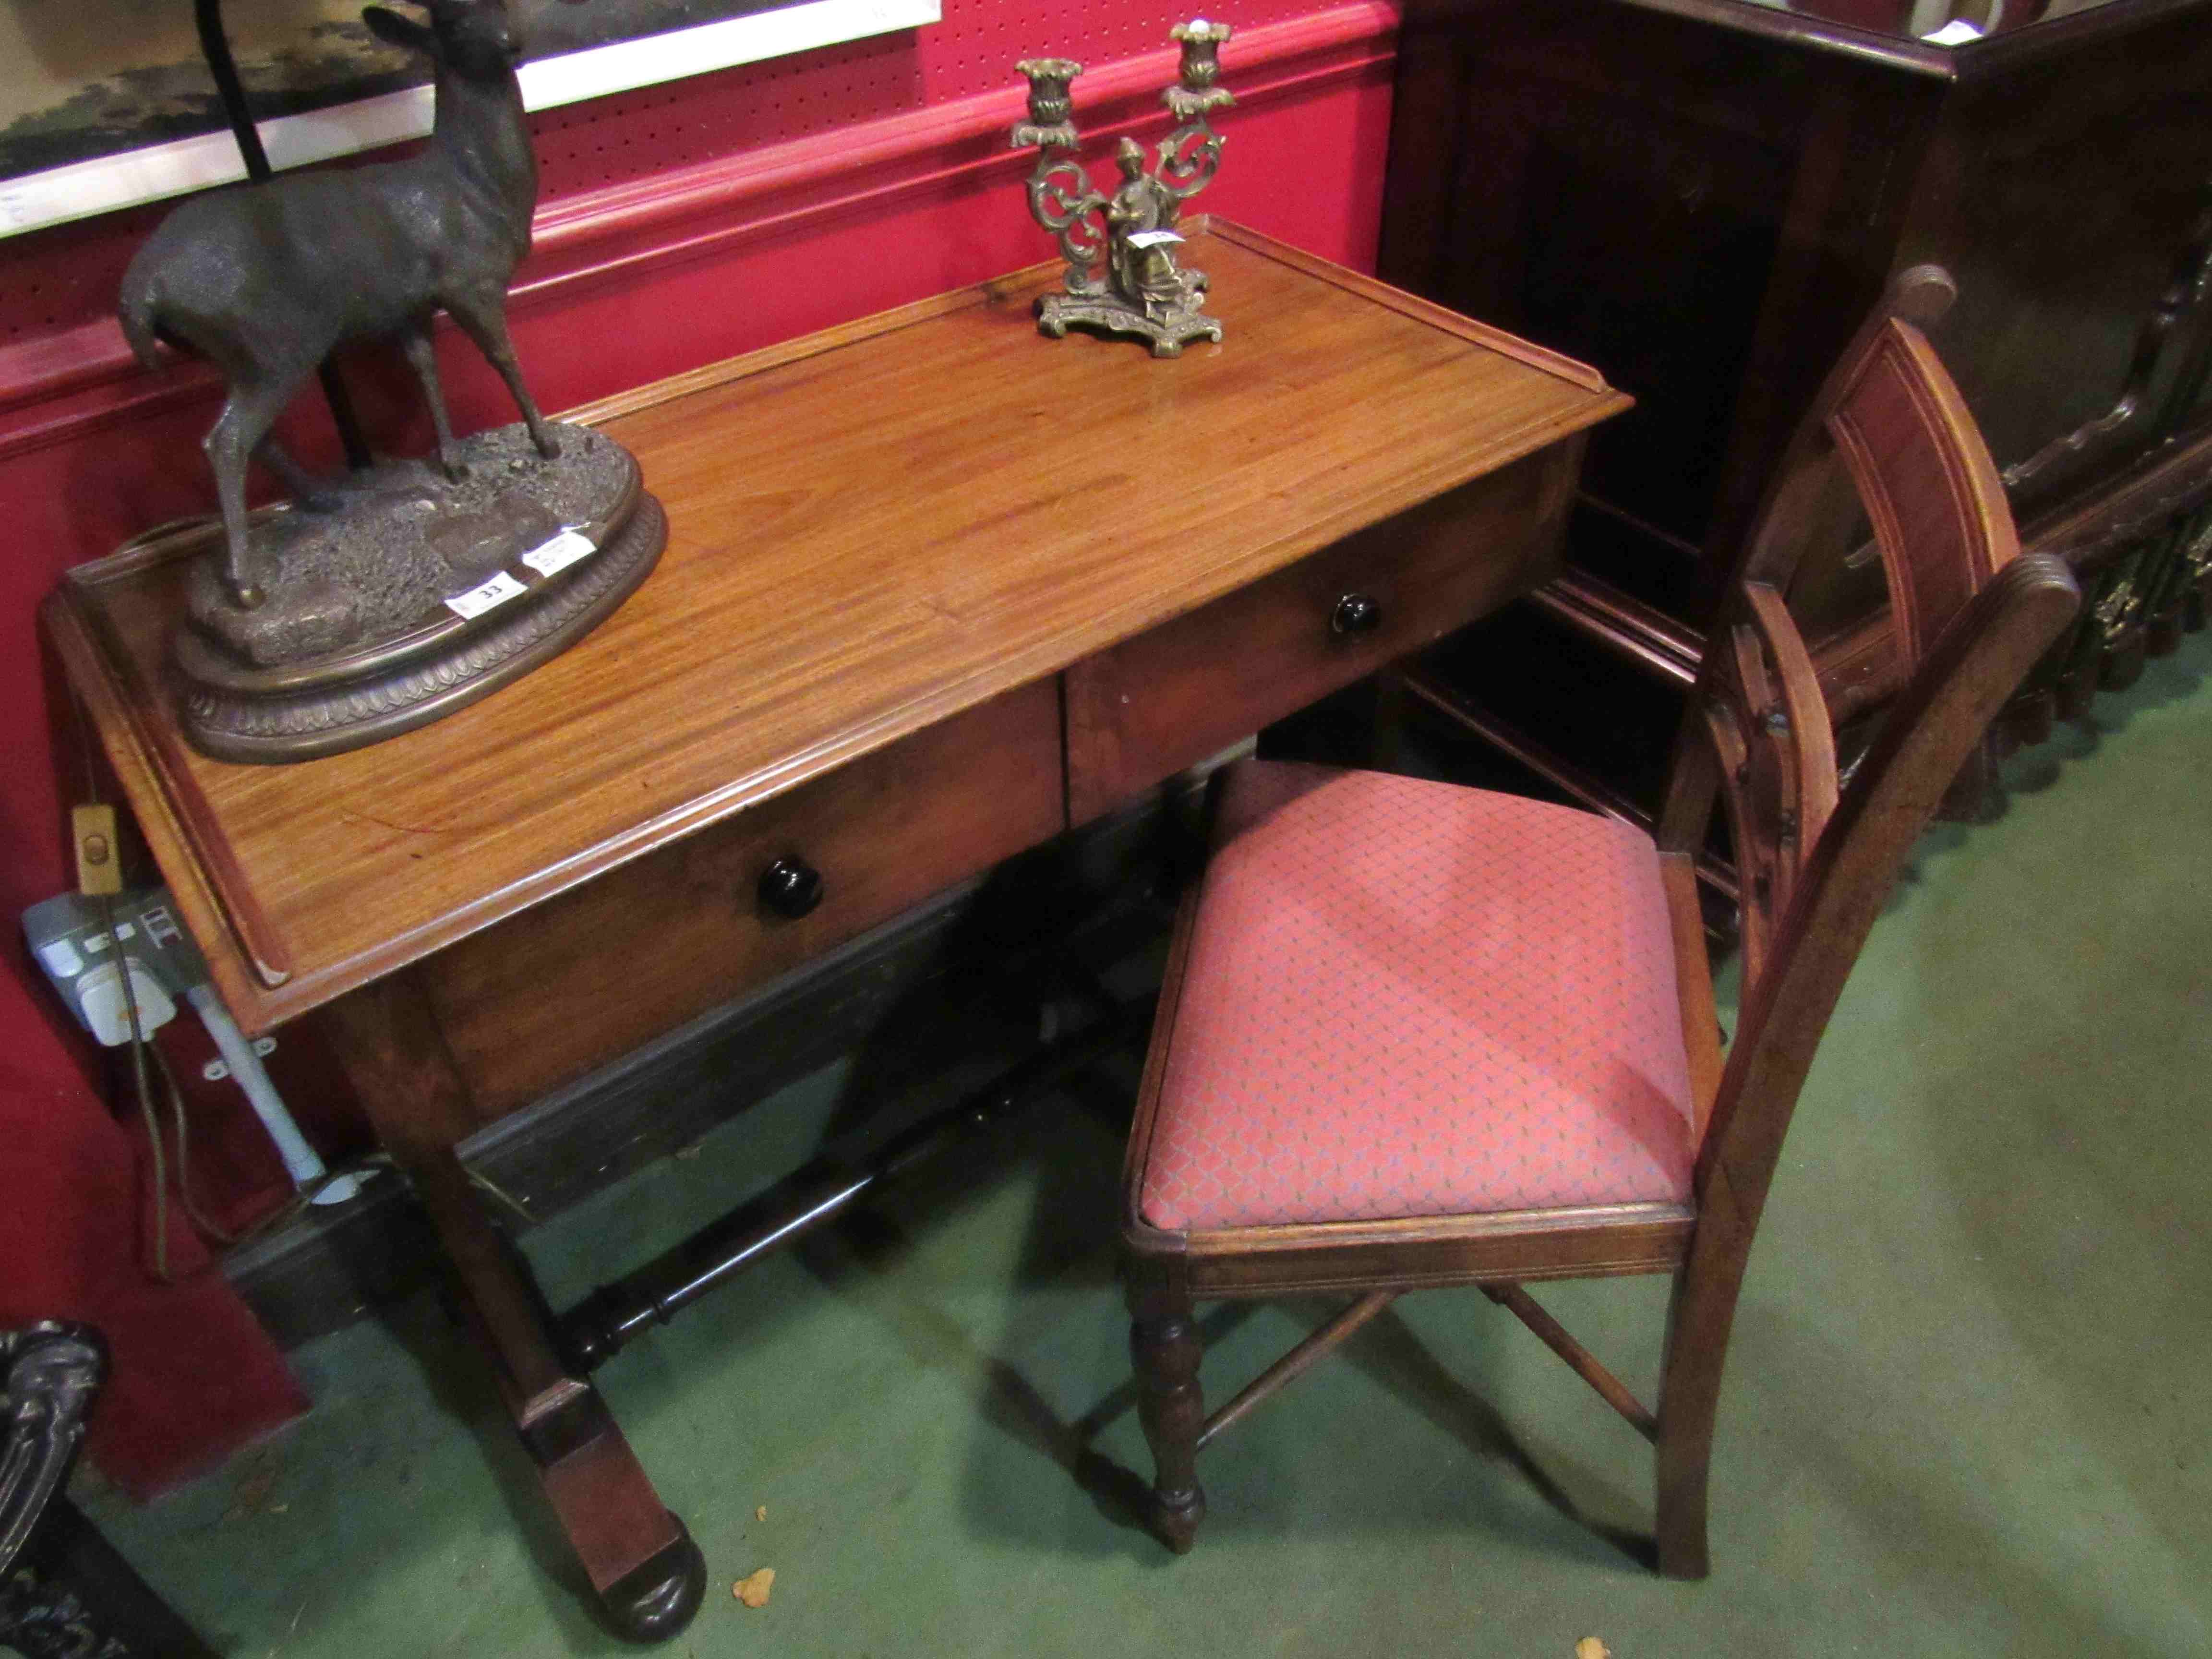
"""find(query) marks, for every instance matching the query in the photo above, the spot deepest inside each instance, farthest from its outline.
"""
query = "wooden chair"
(1415, 1035)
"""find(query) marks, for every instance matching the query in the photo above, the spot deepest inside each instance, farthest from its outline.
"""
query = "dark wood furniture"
(1704, 197)
(1528, 1082)
(935, 589)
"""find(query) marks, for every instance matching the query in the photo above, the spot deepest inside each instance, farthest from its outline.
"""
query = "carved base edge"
(274, 728)
(1056, 312)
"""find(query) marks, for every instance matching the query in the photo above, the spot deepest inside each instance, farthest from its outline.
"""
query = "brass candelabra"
(1120, 248)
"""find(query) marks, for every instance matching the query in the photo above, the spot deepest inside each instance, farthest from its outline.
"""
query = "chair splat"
(1776, 753)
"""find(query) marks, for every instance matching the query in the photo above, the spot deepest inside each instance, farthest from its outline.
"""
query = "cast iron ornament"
(49, 1374)
(1120, 249)
(394, 595)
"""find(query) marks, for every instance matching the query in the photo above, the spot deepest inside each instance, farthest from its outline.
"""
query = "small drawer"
(592, 974)
(1188, 689)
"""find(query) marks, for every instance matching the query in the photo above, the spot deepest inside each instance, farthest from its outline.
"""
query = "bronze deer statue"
(263, 280)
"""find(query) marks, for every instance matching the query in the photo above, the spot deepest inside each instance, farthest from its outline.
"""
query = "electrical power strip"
(86, 960)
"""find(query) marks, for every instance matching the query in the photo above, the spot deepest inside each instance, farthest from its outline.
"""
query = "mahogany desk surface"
(871, 530)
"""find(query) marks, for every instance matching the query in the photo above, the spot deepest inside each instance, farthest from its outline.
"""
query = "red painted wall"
(677, 225)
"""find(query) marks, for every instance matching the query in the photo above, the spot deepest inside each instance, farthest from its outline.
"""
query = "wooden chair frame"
(1970, 617)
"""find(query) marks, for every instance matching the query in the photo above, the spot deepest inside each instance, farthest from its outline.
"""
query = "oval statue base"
(532, 584)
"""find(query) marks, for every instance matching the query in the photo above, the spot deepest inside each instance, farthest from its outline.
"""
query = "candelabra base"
(1166, 328)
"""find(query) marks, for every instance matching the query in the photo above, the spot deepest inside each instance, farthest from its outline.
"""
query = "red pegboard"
(54, 280)
(972, 50)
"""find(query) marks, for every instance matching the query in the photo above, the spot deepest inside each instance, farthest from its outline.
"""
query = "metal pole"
(215, 45)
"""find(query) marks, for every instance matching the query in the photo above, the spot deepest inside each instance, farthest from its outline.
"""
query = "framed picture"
(108, 103)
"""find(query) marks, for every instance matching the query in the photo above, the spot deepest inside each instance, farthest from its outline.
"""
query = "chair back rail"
(1937, 722)
(1810, 503)
(1888, 446)
(1928, 484)
(1890, 439)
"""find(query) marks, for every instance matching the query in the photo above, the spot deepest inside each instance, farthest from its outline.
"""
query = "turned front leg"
(1165, 1350)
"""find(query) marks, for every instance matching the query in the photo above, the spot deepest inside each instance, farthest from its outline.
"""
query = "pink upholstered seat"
(1410, 998)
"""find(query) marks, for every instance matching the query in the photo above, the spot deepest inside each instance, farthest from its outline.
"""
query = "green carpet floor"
(1964, 1410)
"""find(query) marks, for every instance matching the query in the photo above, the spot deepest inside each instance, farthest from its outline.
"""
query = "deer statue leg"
(423, 360)
(247, 413)
(1164, 1344)
(483, 318)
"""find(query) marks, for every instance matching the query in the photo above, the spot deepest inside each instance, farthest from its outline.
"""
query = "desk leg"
(649, 1574)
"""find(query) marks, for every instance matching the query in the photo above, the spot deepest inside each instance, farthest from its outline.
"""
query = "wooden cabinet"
(1703, 197)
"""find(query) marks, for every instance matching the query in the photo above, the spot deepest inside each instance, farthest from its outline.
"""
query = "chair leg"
(1697, 1324)
(1165, 1348)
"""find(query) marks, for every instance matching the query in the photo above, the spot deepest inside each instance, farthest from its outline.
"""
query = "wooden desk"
(935, 588)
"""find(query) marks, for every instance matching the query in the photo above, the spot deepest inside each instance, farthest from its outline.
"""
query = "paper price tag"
(1153, 239)
(563, 550)
(477, 600)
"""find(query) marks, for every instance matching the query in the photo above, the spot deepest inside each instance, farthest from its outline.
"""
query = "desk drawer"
(590, 975)
(1188, 689)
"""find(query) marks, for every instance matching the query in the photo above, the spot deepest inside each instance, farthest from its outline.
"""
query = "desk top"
(871, 529)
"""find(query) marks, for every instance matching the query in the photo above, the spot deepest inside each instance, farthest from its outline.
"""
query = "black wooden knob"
(1355, 613)
(790, 888)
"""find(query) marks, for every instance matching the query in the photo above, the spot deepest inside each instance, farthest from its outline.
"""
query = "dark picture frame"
(95, 116)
